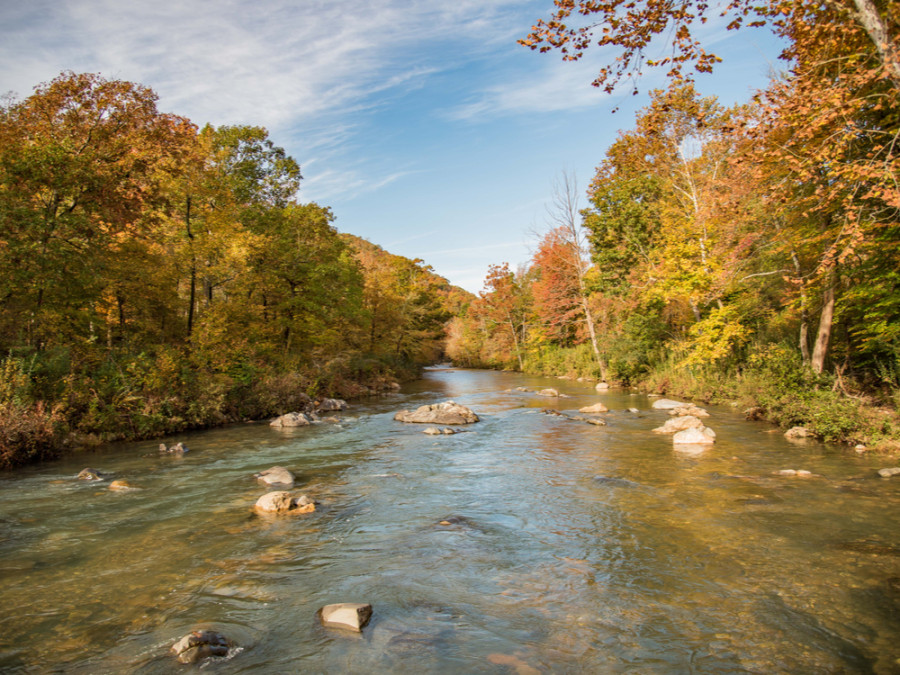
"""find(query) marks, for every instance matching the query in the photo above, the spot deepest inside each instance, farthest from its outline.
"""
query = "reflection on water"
(528, 544)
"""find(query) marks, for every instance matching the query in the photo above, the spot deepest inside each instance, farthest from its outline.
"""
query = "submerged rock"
(679, 424)
(177, 449)
(200, 644)
(596, 421)
(448, 412)
(121, 486)
(596, 408)
(277, 475)
(432, 431)
(347, 615)
(292, 419)
(89, 474)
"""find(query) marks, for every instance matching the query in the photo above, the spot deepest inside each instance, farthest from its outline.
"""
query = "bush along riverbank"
(45, 413)
(771, 385)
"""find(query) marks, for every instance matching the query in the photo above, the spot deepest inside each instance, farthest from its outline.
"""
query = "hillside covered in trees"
(746, 253)
(159, 277)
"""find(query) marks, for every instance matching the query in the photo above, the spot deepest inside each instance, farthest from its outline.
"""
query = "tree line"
(732, 252)
(161, 276)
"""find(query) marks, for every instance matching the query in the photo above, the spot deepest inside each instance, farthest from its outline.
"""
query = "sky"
(422, 123)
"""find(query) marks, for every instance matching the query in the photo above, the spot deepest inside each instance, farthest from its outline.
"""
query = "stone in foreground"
(200, 644)
(277, 475)
(596, 408)
(347, 615)
(448, 412)
(666, 404)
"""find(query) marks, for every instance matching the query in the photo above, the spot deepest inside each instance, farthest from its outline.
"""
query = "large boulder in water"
(679, 424)
(695, 436)
(277, 475)
(292, 419)
(448, 412)
(281, 502)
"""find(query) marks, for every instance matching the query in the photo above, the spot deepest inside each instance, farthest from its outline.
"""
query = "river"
(571, 548)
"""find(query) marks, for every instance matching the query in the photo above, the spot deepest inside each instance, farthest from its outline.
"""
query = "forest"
(160, 277)
(746, 254)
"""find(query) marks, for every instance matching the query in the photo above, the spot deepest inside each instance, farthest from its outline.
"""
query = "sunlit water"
(573, 548)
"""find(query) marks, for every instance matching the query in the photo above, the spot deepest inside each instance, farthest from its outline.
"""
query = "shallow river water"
(572, 548)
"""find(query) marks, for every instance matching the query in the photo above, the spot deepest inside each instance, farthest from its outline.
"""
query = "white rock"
(349, 615)
(887, 473)
(602, 386)
(679, 424)
(666, 404)
(548, 392)
(693, 436)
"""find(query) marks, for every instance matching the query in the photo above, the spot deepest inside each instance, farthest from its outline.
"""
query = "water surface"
(570, 548)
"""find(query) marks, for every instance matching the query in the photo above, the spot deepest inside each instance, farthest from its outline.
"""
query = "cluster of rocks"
(311, 414)
(202, 644)
(689, 433)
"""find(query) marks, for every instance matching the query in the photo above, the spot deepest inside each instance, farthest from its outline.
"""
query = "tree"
(632, 26)
(83, 164)
(562, 258)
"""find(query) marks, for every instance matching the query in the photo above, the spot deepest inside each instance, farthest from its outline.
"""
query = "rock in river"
(89, 474)
(280, 502)
(292, 419)
(200, 644)
(695, 436)
(666, 404)
(548, 392)
(596, 408)
(277, 475)
(348, 615)
(448, 412)
(679, 424)
(331, 405)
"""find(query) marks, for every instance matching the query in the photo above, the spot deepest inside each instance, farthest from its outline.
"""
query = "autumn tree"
(83, 162)
(562, 259)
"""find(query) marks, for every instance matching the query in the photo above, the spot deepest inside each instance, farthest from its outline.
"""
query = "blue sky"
(423, 124)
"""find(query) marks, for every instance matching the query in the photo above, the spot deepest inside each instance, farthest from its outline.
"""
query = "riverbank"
(89, 411)
(774, 386)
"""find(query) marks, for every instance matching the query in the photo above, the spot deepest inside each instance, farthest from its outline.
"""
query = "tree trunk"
(885, 44)
(589, 320)
(193, 290)
(823, 337)
(804, 312)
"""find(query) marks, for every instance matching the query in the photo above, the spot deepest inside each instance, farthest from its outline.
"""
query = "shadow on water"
(531, 543)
